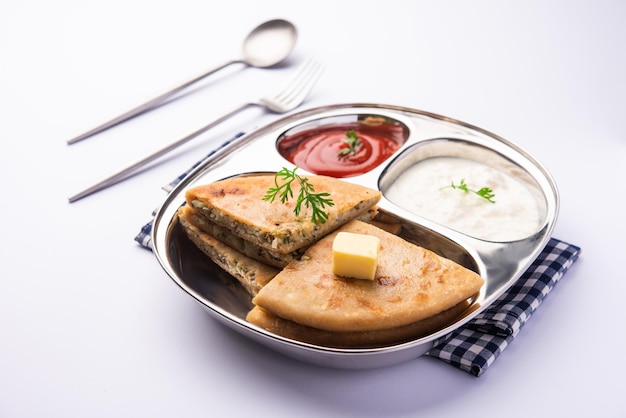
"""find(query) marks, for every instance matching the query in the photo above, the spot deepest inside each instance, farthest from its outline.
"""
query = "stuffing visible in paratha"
(237, 204)
(252, 274)
(246, 247)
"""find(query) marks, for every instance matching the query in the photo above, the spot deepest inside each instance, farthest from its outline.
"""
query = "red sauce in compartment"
(318, 150)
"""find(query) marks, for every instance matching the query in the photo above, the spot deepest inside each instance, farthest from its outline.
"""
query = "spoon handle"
(149, 105)
(132, 169)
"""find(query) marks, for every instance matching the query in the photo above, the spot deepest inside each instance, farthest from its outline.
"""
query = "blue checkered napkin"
(476, 345)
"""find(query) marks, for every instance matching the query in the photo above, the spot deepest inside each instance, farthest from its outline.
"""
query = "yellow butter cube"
(355, 255)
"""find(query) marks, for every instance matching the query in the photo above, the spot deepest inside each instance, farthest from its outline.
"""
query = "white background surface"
(91, 326)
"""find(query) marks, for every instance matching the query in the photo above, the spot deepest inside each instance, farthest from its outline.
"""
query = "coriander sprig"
(316, 201)
(354, 143)
(484, 192)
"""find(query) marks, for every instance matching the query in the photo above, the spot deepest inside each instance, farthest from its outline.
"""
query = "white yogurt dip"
(422, 189)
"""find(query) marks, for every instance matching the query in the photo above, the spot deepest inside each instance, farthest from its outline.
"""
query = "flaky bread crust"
(237, 204)
(411, 284)
(252, 274)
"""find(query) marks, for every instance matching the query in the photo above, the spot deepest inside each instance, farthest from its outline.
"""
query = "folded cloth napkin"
(475, 346)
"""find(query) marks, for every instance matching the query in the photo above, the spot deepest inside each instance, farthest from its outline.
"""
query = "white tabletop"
(90, 325)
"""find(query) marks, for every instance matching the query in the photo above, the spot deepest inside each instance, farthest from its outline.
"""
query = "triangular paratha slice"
(237, 243)
(411, 284)
(237, 204)
(252, 274)
(246, 247)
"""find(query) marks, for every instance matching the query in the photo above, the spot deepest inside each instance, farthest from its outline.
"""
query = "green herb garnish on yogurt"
(484, 192)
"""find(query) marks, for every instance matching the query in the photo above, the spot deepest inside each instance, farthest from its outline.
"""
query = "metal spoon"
(267, 45)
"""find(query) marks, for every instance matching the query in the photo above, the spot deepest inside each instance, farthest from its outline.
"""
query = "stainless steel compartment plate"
(499, 263)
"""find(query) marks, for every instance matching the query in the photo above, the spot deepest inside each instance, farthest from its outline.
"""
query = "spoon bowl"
(269, 43)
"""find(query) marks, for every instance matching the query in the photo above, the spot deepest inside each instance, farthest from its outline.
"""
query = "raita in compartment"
(469, 197)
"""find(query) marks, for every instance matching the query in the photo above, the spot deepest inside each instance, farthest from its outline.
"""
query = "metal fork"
(285, 100)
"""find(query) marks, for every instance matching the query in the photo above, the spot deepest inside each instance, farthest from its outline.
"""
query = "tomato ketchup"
(328, 150)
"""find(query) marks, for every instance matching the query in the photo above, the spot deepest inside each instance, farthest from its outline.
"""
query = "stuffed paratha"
(252, 274)
(237, 204)
(411, 284)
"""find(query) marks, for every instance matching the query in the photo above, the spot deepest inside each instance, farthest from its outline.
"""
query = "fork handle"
(132, 169)
(149, 105)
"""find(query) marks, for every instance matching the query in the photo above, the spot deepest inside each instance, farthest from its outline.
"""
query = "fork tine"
(295, 82)
(309, 78)
(299, 86)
